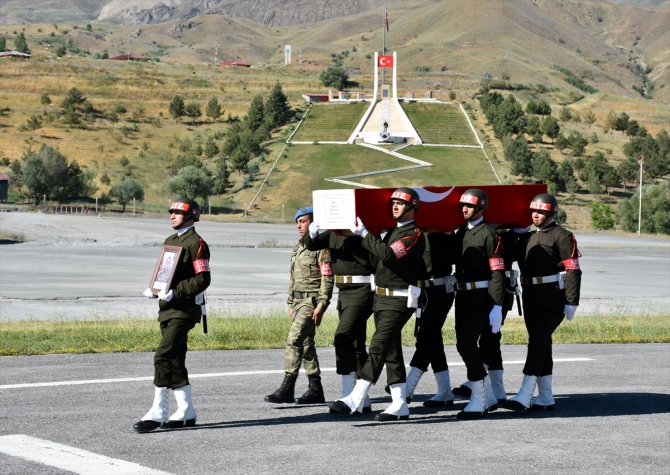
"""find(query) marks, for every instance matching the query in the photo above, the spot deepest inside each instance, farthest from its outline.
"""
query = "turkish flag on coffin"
(439, 207)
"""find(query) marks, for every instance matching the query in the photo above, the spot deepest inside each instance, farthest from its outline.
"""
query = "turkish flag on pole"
(386, 17)
(385, 61)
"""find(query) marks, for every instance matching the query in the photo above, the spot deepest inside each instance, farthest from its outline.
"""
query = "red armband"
(399, 249)
(571, 264)
(326, 269)
(201, 265)
(497, 263)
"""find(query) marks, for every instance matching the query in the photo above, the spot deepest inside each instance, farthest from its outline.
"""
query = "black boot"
(285, 393)
(314, 393)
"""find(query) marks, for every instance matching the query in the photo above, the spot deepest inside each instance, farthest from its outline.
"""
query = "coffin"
(439, 209)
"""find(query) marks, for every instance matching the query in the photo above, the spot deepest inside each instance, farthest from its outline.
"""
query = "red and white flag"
(386, 17)
(385, 61)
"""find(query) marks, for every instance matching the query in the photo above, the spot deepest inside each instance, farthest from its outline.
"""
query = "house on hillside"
(315, 97)
(130, 57)
(4, 187)
(14, 54)
(235, 63)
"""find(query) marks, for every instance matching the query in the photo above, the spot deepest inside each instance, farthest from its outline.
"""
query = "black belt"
(304, 295)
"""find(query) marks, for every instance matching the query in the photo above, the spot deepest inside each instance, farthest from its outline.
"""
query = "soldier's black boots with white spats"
(314, 393)
(285, 393)
(185, 414)
(158, 413)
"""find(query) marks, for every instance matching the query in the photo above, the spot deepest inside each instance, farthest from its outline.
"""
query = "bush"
(602, 216)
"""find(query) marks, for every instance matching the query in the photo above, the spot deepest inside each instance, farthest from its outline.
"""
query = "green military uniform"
(354, 304)
(181, 313)
(310, 287)
(480, 274)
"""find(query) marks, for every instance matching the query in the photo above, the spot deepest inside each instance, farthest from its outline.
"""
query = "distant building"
(236, 63)
(14, 54)
(130, 57)
(4, 187)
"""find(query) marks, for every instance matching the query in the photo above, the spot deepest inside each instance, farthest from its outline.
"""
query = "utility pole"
(640, 159)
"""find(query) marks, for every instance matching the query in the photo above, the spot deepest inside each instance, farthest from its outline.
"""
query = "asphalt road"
(87, 267)
(612, 416)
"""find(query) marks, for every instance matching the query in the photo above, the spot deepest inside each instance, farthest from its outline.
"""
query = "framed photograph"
(166, 266)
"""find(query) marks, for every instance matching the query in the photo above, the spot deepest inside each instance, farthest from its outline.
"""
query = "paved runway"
(612, 416)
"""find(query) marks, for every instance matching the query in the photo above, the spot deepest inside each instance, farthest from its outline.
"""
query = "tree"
(3, 43)
(521, 156)
(602, 216)
(33, 123)
(20, 44)
(211, 149)
(589, 117)
(597, 172)
(193, 111)
(213, 109)
(565, 114)
(577, 143)
(561, 142)
(127, 190)
(544, 168)
(566, 180)
(176, 107)
(509, 118)
(655, 210)
(44, 172)
(551, 128)
(629, 171)
(276, 107)
(222, 178)
(191, 182)
(45, 100)
(656, 153)
(73, 100)
(335, 76)
(256, 113)
(16, 174)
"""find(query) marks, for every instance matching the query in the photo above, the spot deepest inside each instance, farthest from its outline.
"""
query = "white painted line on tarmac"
(68, 458)
(223, 375)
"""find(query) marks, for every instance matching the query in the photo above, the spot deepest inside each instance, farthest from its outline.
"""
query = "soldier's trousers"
(541, 324)
(472, 321)
(300, 340)
(429, 343)
(170, 358)
(386, 346)
(350, 335)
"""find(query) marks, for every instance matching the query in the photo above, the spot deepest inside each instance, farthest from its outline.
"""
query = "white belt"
(448, 280)
(391, 292)
(480, 284)
(353, 279)
(546, 279)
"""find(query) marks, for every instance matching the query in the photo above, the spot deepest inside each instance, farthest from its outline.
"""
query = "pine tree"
(276, 107)
(20, 44)
(213, 109)
(176, 107)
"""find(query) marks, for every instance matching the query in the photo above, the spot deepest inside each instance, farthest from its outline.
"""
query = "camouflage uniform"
(310, 287)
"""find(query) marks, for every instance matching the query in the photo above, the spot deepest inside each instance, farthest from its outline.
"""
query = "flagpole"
(384, 40)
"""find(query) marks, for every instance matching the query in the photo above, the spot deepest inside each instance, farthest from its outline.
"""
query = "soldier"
(398, 263)
(179, 309)
(352, 268)
(436, 301)
(551, 280)
(309, 293)
(480, 294)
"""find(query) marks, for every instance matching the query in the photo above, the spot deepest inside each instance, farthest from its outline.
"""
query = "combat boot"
(314, 393)
(398, 410)
(158, 413)
(285, 393)
(444, 396)
(545, 399)
(476, 408)
(521, 401)
(184, 416)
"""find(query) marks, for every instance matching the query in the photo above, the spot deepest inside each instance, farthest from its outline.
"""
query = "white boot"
(545, 399)
(521, 400)
(185, 415)
(497, 385)
(413, 378)
(491, 401)
(398, 410)
(348, 383)
(477, 405)
(444, 396)
(158, 414)
(354, 401)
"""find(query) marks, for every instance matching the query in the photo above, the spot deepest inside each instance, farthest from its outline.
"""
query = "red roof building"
(235, 63)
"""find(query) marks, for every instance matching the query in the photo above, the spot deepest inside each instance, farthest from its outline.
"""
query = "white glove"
(166, 296)
(313, 229)
(570, 311)
(521, 230)
(495, 318)
(359, 230)
(148, 293)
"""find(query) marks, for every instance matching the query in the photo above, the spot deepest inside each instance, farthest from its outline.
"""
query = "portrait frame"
(165, 269)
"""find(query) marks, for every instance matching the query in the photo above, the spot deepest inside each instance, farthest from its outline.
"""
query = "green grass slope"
(439, 123)
(330, 122)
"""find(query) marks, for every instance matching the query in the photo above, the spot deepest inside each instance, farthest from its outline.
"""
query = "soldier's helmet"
(475, 197)
(190, 208)
(305, 210)
(545, 202)
(406, 194)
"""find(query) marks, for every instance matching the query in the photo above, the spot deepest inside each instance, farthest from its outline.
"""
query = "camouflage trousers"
(300, 340)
